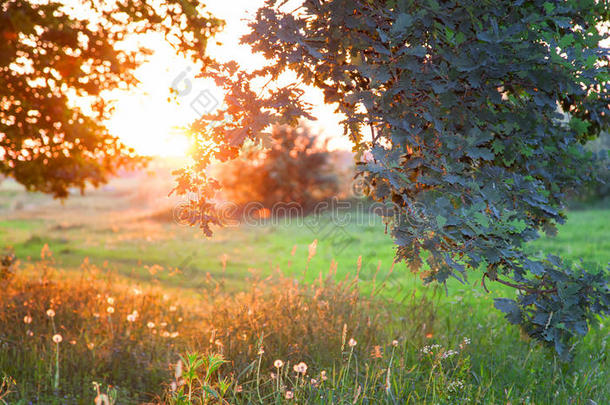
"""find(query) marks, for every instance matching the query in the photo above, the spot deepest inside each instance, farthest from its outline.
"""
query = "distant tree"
(463, 102)
(48, 54)
(295, 168)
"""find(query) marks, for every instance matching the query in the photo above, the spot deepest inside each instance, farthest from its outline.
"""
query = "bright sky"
(144, 118)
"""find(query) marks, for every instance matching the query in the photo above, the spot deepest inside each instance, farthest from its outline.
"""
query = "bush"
(294, 169)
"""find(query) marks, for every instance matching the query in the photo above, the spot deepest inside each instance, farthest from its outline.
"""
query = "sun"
(151, 120)
(147, 117)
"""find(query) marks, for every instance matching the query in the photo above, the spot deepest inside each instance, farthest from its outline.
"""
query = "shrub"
(294, 169)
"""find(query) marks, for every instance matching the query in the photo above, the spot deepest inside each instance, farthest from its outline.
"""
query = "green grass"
(133, 245)
(499, 367)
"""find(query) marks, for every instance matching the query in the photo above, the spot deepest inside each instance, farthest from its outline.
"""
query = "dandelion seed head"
(50, 313)
(300, 368)
(27, 319)
(150, 325)
(110, 310)
(352, 342)
(278, 363)
(57, 338)
(289, 395)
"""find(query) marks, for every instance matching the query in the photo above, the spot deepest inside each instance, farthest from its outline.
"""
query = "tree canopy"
(469, 114)
(51, 55)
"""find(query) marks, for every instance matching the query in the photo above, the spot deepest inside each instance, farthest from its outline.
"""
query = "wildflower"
(57, 338)
(27, 319)
(395, 343)
(150, 325)
(323, 376)
(172, 308)
(352, 342)
(239, 388)
(90, 345)
(50, 313)
(289, 395)
(430, 349)
(261, 351)
(165, 334)
(73, 342)
(137, 291)
(131, 318)
(376, 352)
(110, 310)
(96, 315)
(464, 343)
(314, 382)
(278, 363)
(218, 343)
(429, 335)
(300, 368)
(173, 335)
(110, 300)
(449, 353)
(30, 333)
(163, 324)
(455, 386)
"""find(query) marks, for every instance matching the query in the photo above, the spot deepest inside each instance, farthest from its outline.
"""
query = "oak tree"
(474, 115)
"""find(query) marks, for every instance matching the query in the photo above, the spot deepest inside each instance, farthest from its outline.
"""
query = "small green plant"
(196, 380)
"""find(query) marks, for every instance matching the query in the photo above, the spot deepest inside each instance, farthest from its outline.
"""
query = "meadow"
(259, 313)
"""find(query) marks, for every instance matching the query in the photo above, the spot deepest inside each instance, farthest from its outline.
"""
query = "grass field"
(130, 238)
